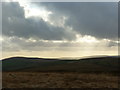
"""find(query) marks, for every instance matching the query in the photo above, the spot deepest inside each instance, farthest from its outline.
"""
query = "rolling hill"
(77, 65)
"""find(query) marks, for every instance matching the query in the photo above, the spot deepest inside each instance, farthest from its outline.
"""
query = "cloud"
(71, 27)
(96, 19)
(15, 24)
(13, 44)
(99, 19)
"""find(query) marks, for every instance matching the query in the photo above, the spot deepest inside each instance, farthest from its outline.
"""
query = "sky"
(59, 29)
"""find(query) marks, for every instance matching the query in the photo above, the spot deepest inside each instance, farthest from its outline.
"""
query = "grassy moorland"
(59, 80)
(97, 72)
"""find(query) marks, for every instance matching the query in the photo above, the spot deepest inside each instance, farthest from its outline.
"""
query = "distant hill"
(77, 65)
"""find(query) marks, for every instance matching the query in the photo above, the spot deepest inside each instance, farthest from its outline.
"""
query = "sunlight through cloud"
(87, 39)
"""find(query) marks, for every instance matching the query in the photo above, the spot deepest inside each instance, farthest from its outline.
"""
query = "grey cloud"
(96, 19)
(99, 19)
(18, 44)
(112, 43)
(119, 20)
(15, 24)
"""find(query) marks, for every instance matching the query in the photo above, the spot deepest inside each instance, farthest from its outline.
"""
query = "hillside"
(42, 64)
(22, 72)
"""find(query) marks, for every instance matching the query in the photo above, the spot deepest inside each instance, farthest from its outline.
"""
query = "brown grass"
(59, 80)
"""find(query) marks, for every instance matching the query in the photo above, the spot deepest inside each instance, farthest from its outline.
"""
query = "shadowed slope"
(42, 64)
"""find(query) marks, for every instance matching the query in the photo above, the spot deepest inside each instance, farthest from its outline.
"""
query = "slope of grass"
(39, 64)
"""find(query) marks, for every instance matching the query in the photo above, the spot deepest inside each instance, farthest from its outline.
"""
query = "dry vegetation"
(59, 80)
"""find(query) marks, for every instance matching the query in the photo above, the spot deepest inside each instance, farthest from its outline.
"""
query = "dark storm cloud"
(15, 24)
(98, 19)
